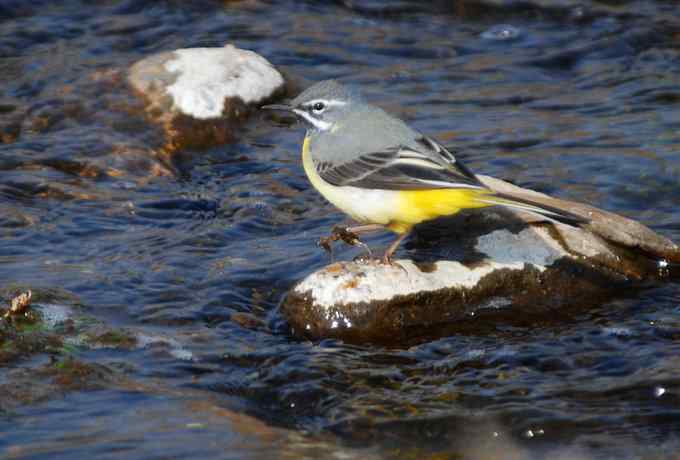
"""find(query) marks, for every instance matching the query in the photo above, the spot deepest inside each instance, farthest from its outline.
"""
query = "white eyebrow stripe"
(327, 102)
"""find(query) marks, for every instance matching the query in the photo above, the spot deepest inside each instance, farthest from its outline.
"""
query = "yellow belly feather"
(416, 206)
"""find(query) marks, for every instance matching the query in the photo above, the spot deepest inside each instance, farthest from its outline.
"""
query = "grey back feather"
(362, 129)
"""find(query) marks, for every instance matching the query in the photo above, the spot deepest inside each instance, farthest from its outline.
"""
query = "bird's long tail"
(522, 204)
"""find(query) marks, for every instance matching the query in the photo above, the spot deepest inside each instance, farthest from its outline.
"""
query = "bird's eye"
(318, 107)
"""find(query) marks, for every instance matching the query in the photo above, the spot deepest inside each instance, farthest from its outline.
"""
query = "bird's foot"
(338, 233)
(387, 259)
(325, 244)
(346, 235)
(342, 234)
(365, 258)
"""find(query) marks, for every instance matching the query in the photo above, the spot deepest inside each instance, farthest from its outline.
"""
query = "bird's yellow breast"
(363, 205)
(310, 169)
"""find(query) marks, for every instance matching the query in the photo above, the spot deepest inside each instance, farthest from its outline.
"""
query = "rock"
(612, 227)
(478, 271)
(205, 83)
(198, 93)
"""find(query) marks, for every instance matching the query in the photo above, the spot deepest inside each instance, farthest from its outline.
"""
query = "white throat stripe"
(318, 124)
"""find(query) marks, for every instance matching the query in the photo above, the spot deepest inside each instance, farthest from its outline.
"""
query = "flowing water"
(191, 254)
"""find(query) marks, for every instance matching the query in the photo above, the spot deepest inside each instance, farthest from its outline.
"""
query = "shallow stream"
(188, 255)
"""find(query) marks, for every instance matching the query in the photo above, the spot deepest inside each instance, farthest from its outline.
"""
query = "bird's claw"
(387, 259)
(339, 233)
(345, 235)
(325, 244)
(364, 258)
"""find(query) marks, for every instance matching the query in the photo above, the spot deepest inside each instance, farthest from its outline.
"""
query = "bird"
(384, 174)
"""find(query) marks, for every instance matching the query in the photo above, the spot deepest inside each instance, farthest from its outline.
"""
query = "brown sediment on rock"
(148, 79)
(185, 132)
(112, 338)
(52, 380)
(18, 342)
(72, 374)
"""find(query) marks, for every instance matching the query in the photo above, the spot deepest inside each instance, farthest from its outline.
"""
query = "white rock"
(198, 81)
(530, 246)
(361, 282)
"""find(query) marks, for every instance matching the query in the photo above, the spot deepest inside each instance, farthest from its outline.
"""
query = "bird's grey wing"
(424, 165)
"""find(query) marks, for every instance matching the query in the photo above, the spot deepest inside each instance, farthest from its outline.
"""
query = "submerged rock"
(478, 271)
(198, 93)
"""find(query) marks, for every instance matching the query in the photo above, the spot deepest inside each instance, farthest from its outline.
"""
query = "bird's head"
(322, 105)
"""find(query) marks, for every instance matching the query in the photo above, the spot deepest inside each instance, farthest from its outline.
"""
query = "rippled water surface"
(192, 252)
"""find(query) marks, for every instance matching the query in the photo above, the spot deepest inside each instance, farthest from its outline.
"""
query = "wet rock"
(72, 374)
(119, 339)
(198, 94)
(46, 346)
(24, 331)
(23, 386)
(611, 227)
(22, 340)
(481, 270)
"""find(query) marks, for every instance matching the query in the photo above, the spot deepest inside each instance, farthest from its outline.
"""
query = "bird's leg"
(361, 230)
(387, 257)
(338, 233)
(354, 232)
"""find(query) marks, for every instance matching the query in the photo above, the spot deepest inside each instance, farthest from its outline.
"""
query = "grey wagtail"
(383, 173)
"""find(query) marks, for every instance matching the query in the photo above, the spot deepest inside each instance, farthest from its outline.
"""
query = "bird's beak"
(284, 107)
